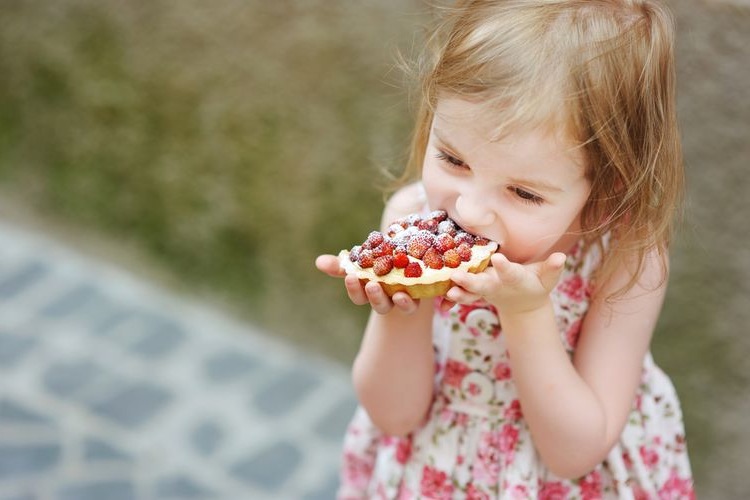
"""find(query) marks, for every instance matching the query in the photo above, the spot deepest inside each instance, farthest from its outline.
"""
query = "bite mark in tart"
(417, 255)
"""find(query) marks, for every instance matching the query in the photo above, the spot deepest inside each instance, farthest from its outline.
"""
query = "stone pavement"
(111, 389)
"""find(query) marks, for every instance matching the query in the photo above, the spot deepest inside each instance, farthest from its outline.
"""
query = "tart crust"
(432, 283)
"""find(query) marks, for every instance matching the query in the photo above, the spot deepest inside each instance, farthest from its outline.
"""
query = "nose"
(473, 212)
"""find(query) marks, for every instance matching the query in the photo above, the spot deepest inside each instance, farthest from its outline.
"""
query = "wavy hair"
(604, 71)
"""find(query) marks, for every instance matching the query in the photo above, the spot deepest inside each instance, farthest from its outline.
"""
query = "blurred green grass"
(235, 141)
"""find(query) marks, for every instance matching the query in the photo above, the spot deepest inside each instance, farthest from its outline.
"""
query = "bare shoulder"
(405, 201)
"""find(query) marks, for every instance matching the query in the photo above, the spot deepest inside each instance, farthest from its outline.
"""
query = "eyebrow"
(536, 184)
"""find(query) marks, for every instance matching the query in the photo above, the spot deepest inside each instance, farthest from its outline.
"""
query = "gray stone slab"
(207, 437)
(22, 278)
(13, 349)
(283, 393)
(181, 487)
(270, 468)
(73, 300)
(162, 337)
(132, 404)
(101, 490)
(28, 459)
(15, 413)
(68, 379)
(333, 424)
(98, 450)
(229, 365)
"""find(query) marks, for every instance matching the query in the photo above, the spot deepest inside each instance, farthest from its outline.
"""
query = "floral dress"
(475, 443)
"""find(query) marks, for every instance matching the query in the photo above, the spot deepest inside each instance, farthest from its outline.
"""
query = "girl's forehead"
(484, 123)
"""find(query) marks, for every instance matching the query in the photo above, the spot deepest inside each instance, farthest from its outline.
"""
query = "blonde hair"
(604, 71)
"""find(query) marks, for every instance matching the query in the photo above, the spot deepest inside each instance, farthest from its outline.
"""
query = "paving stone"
(95, 450)
(13, 348)
(133, 404)
(72, 301)
(207, 437)
(229, 365)
(12, 412)
(67, 379)
(283, 393)
(269, 468)
(181, 487)
(334, 423)
(327, 491)
(160, 335)
(28, 459)
(102, 490)
(22, 278)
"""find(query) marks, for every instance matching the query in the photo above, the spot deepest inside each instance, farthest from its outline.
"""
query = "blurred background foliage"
(226, 144)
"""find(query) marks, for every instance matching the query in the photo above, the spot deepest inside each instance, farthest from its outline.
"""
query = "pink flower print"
(677, 488)
(518, 492)
(513, 411)
(403, 450)
(591, 486)
(435, 484)
(455, 371)
(508, 440)
(649, 457)
(474, 493)
(357, 470)
(502, 371)
(487, 467)
(575, 288)
(464, 310)
(554, 491)
(573, 332)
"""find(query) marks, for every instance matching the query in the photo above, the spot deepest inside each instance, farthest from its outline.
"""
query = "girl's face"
(525, 191)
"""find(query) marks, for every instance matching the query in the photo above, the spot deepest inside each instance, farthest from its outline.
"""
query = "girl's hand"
(511, 287)
(371, 292)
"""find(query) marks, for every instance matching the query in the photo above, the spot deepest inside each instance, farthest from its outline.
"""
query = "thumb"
(551, 270)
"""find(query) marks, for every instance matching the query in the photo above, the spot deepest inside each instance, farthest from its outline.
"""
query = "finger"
(509, 273)
(355, 290)
(329, 264)
(551, 270)
(381, 303)
(405, 303)
(459, 295)
(446, 304)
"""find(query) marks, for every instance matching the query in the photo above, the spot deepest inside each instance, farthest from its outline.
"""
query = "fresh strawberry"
(430, 225)
(365, 258)
(447, 226)
(464, 237)
(464, 251)
(354, 253)
(413, 270)
(444, 242)
(374, 239)
(383, 265)
(479, 241)
(438, 215)
(433, 259)
(400, 260)
(385, 248)
(394, 229)
(419, 243)
(452, 258)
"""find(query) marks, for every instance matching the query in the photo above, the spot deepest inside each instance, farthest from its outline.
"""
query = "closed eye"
(526, 196)
(451, 160)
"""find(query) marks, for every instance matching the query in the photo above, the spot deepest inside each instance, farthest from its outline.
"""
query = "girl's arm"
(394, 369)
(576, 410)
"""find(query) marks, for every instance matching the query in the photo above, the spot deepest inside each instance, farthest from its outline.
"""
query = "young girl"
(548, 126)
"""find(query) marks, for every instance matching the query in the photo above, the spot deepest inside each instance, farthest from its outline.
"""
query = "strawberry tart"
(417, 255)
